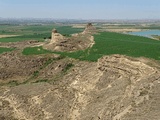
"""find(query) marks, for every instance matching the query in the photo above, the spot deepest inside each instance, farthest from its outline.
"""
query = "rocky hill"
(75, 42)
(114, 88)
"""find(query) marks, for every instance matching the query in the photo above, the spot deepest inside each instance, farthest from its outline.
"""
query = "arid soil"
(124, 30)
(4, 36)
(20, 45)
(114, 88)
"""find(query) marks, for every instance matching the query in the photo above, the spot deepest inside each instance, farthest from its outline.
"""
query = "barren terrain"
(4, 36)
(124, 30)
(114, 88)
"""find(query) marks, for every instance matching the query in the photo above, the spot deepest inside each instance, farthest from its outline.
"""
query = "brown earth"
(20, 45)
(124, 30)
(114, 88)
(4, 36)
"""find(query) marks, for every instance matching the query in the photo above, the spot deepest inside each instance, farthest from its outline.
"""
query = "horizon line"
(80, 18)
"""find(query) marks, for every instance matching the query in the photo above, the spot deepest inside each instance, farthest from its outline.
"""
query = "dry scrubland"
(85, 79)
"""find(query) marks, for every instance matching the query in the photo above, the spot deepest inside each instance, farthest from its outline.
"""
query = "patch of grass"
(13, 83)
(35, 51)
(60, 75)
(49, 61)
(35, 74)
(41, 80)
(3, 49)
(67, 67)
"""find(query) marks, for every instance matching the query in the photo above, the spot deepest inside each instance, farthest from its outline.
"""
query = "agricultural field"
(20, 33)
(107, 43)
(33, 32)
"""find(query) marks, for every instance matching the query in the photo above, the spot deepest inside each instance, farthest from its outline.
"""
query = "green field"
(3, 49)
(35, 51)
(33, 32)
(107, 43)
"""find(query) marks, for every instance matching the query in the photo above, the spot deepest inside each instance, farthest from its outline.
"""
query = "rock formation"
(76, 42)
(56, 36)
(90, 29)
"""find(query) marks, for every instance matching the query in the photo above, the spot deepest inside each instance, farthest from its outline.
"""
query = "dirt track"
(4, 36)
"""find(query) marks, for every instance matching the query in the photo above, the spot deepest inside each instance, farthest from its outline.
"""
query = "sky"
(81, 9)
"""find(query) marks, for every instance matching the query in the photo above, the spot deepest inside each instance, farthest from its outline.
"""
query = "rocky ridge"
(75, 42)
(114, 88)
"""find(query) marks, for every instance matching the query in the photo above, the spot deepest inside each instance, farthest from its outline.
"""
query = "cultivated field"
(107, 43)
(15, 33)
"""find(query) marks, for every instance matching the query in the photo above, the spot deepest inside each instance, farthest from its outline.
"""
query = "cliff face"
(114, 88)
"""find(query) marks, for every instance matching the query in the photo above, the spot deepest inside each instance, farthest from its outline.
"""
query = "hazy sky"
(81, 9)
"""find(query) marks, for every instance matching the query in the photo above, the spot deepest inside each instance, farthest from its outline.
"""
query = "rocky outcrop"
(56, 37)
(69, 44)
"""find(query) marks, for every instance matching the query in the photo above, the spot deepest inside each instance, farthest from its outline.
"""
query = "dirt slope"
(114, 88)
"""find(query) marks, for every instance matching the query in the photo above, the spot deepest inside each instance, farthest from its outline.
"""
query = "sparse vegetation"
(35, 74)
(13, 83)
(35, 51)
(67, 67)
(3, 49)
(41, 80)
(49, 61)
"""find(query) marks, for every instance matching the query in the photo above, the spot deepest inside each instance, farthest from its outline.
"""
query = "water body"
(147, 33)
